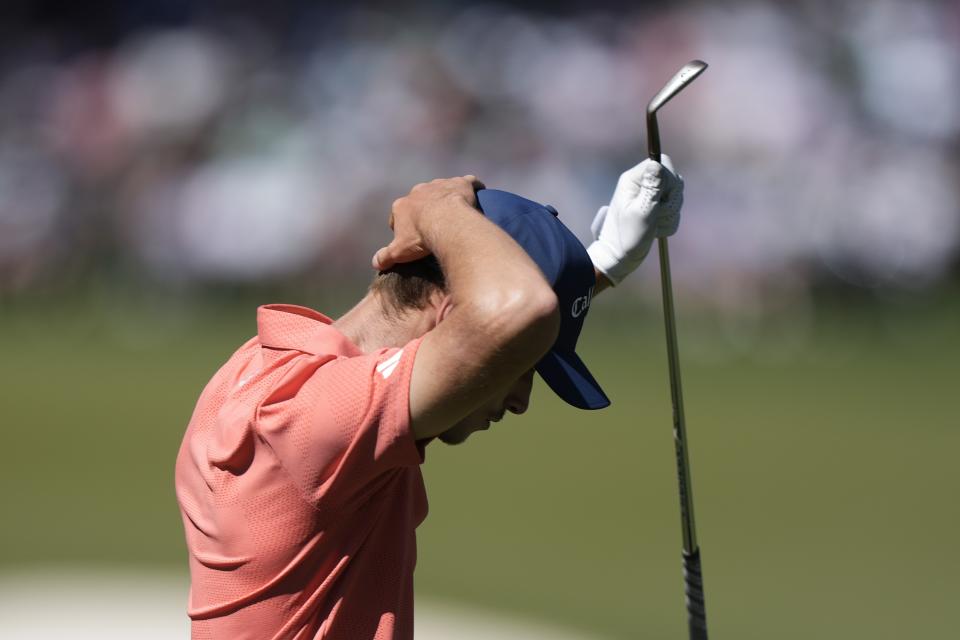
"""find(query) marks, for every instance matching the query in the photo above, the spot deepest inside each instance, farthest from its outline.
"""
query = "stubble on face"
(459, 433)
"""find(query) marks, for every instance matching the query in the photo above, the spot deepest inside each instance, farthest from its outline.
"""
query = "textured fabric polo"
(300, 488)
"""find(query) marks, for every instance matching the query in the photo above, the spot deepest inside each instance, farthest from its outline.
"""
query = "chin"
(453, 437)
(459, 433)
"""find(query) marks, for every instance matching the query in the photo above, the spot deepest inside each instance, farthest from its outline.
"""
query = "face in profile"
(516, 400)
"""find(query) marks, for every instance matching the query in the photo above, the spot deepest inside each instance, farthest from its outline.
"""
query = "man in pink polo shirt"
(298, 477)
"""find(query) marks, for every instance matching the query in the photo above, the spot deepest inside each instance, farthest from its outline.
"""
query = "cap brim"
(568, 377)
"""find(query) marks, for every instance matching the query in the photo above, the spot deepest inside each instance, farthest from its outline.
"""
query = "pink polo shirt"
(300, 488)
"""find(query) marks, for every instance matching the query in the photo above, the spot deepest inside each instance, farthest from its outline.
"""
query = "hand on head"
(409, 214)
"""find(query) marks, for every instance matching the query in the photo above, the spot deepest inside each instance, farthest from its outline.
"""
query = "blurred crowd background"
(184, 144)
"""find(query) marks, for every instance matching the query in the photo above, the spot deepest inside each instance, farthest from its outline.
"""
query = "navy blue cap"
(567, 267)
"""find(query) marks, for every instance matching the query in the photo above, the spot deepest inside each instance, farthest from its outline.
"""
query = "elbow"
(525, 321)
(543, 321)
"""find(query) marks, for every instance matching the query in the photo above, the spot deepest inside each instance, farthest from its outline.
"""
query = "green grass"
(823, 464)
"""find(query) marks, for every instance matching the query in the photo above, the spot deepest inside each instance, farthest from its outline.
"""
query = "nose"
(518, 399)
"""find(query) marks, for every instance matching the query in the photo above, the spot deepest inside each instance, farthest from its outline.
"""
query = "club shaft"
(676, 397)
(673, 360)
(693, 575)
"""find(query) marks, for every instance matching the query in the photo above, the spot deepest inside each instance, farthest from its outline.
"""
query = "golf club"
(693, 576)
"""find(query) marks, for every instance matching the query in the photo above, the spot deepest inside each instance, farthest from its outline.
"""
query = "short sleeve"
(340, 428)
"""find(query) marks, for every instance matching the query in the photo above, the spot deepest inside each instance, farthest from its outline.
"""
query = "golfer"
(299, 476)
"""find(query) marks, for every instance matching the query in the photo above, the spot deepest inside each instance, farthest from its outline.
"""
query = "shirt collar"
(290, 326)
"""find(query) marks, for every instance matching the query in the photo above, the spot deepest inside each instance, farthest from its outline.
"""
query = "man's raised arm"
(500, 315)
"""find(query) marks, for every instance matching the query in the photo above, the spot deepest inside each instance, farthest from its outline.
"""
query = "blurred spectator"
(226, 149)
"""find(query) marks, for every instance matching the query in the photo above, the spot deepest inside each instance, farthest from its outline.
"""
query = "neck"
(369, 328)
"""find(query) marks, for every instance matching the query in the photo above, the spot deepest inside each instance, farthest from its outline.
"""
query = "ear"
(442, 306)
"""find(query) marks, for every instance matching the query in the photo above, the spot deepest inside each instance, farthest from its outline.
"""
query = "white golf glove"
(645, 205)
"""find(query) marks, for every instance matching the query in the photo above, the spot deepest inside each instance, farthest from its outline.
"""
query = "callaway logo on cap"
(567, 267)
(581, 304)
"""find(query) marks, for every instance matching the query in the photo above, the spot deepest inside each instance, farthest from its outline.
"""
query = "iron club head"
(681, 79)
(676, 84)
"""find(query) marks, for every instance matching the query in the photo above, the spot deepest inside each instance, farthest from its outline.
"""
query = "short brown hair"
(408, 286)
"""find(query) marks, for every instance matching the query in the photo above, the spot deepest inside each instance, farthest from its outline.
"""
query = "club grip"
(696, 608)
